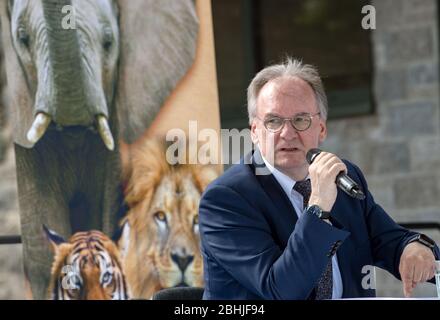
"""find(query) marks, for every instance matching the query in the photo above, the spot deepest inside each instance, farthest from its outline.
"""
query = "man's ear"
(54, 239)
(323, 132)
(254, 135)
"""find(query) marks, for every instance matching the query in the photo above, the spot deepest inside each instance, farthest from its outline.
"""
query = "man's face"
(285, 98)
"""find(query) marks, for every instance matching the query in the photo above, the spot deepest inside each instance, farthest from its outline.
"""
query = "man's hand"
(323, 172)
(417, 264)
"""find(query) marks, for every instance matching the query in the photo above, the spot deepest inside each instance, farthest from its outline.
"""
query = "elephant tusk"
(39, 127)
(105, 133)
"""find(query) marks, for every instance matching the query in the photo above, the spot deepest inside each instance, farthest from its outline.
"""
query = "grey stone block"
(345, 150)
(409, 45)
(11, 286)
(3, 149)
(422, 74)
(352, 129)
(419, 11)
(419, 5)
(410, 119)
(391, 85)
(425, 153)
(411, 7)
(419, 214)
(382, 190)
(8, 198)
(416, 192)
(385, 158)
(11, 263)
(388, 13)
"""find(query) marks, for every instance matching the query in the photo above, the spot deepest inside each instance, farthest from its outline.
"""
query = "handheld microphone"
(343, 181)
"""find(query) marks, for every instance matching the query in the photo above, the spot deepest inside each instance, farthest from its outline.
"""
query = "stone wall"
(11, 267)
(398, 148)
(3, 113)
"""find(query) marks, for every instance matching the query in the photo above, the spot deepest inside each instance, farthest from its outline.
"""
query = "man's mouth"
(289, 149)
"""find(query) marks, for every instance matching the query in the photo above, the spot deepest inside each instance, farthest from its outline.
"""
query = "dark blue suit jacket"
(255, 247)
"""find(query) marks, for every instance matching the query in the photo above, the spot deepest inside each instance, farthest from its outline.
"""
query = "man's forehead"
(276, 92)
(290, 86)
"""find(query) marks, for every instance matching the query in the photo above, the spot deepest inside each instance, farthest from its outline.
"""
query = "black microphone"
(344, 182)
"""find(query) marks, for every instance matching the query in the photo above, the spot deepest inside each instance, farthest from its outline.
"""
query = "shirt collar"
(286, 182)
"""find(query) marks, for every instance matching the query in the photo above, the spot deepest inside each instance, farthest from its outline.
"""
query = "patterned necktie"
(324, 287)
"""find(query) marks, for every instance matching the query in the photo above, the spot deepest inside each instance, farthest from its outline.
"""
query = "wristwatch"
(317, 211)
(423, 239)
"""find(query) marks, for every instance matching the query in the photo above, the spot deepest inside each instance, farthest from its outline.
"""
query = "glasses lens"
(273, 124)
(301, 122)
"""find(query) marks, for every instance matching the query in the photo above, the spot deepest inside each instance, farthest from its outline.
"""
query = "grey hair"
(289, 68)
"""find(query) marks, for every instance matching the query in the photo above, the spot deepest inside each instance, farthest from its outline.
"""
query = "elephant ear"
(54, 239)
(17, 97)
(158, 45)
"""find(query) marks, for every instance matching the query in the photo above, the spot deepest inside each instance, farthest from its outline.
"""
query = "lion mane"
(160, 242)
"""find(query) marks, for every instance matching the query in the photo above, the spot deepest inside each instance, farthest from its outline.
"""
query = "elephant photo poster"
(90, 90)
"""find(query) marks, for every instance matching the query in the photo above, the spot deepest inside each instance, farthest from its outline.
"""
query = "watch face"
(317, 211)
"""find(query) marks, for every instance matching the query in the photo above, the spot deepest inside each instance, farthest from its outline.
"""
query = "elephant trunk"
(68, 102)
(67, 99)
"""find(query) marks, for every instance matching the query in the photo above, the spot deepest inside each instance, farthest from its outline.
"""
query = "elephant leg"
(113, 197)
(111, 194)
(41, 202)
(101, 187)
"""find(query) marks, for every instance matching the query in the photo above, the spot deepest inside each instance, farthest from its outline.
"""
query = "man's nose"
(288, 132)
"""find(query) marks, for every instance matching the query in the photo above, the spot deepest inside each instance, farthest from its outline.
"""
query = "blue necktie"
(324, 287)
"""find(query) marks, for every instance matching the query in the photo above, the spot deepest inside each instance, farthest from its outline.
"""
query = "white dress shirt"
(296, 199)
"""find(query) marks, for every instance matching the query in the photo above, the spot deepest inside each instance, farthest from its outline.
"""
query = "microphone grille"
(311, 154)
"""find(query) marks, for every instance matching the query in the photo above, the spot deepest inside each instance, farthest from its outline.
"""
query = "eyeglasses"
(301, 122)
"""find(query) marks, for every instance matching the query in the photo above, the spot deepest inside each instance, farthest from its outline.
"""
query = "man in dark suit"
(275, 227)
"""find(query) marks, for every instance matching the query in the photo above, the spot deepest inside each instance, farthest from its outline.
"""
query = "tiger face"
(161, 234)
(87, 267)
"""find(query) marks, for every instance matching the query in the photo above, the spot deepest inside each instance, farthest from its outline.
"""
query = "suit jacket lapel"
(271, 186)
